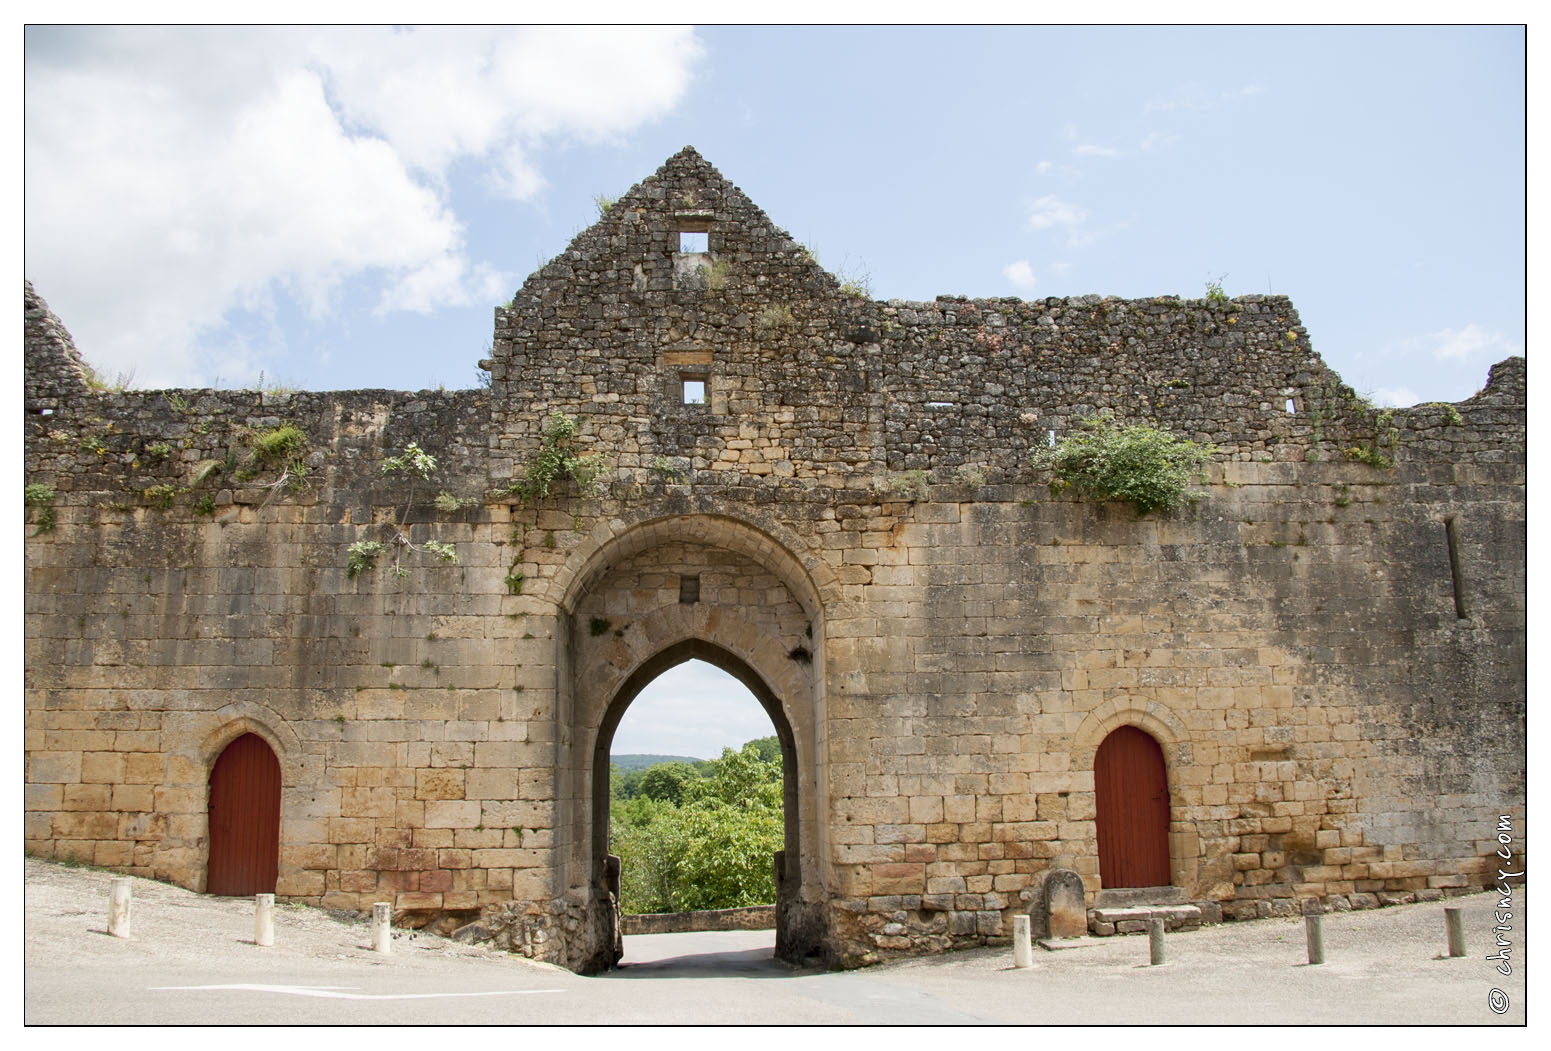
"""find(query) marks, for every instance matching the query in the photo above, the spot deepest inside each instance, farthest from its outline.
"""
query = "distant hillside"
(629, 763)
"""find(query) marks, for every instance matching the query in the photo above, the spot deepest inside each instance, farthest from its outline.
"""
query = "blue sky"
(343, 208)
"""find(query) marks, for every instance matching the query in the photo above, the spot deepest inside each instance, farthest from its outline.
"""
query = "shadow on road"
(717, 954)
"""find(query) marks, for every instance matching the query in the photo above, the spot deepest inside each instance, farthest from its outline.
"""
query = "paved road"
(192, 960)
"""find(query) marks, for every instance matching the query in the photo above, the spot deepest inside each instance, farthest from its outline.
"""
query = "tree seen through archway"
(693, 833)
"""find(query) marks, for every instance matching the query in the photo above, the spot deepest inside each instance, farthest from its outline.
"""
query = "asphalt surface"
(191, 960)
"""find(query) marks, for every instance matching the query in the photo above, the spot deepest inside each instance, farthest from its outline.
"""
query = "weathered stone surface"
(1330, 654)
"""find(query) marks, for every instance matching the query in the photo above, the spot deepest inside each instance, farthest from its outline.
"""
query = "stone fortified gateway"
(1309, 682)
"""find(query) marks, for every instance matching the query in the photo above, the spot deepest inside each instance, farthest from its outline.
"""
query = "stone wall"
(1328, 642)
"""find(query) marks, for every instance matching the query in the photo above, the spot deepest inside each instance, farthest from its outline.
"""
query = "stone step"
(1123, 896)
(1133, 919)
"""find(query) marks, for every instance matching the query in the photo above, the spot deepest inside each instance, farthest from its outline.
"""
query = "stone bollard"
(263, 919)
(1455, 924)
(118, 909)
(1022, 942)
(1314, 929)
(1155, 939)
(382, 930)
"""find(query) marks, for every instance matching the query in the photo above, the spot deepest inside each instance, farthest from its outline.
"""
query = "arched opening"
(791, 940)
(244, 815)
(1131, 799)
(696, 816)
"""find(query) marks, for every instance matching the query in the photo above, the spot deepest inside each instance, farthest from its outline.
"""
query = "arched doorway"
(1131, 789)
(244, 813)
(794, 939)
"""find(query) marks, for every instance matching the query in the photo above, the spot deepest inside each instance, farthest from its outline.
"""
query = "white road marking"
(331, 991)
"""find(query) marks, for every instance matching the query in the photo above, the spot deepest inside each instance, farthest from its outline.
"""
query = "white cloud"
(1050, 210)
(1468, 342)
(692, 709)
(1020, 274)
(1043, 168)
(1156, 139)
(1089, 149)
(1059, 268)
(1395, 397)
(176, 175)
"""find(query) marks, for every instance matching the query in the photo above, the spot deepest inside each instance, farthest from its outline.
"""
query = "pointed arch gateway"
(632, 611)
(710, 653)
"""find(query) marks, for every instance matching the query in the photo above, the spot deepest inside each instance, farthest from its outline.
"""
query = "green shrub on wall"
(1146, 467)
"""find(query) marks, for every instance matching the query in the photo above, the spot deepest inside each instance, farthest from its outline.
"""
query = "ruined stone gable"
(831, 497)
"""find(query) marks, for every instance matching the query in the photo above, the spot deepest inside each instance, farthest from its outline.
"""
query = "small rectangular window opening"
(1052, 440)
(1451, 534)
(689, 590)
(1292, 408)
(694, 241)
(694, 390)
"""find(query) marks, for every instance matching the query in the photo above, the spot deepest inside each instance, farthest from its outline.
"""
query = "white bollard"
(1155, 940)
(263, 919)
(1022, 943)
(382, 930)
(118, 909)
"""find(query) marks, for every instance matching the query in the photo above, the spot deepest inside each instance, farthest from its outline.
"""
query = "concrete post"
(1022, 942)
(382, 930)
(263, 919)
(1314, 929)
(118, 908)
(1155, 939)
(1456, 927)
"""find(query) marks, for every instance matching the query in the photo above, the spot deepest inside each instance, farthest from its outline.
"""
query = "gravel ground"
(191, 960)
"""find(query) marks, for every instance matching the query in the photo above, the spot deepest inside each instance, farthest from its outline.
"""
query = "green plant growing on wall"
(161, 496)
(1214, 290)
(1147, 467)
(557, 460)
(158, 451)
(417, 464)
(772, 318)
(604, 203)
(38, 499)
(514, 580)
(913, 484)
(450, 504)
(717, 275)
(282, 449)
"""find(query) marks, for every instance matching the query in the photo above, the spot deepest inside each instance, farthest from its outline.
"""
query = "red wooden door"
(1132, 790)
(244, 819)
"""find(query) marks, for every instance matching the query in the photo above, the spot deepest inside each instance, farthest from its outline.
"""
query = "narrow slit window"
(1451, 535)
(694, 389)
(1292, 407)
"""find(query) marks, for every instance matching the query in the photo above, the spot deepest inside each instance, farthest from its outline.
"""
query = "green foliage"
(448, 504)
(158, 450)
(717, 275)
(772, 318)
(514, 580)
(413, 460)
(160, 496)
(38, 498)
(205, 506)
(363, 556)
(558, 460)
(1147, 467)
(1371, 456)
(604, 204)
(598, 626)
(913, 484)
(282, 449)
(710, 849)
(1214, 292)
